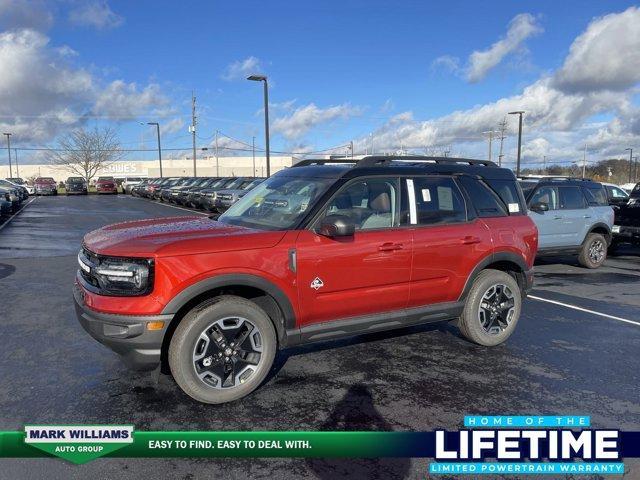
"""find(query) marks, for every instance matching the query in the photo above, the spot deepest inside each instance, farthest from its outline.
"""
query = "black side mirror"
(539, 207)
(337, 226)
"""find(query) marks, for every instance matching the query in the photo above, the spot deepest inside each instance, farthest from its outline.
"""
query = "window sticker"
(445, 198)
(426, 195)
(514, 208)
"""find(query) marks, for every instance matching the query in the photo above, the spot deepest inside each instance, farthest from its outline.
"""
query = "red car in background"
(45, 186)
(106, 185)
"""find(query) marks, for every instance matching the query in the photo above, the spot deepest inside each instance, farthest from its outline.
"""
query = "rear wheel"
(492, 308)
(222, 350)
(594, 251)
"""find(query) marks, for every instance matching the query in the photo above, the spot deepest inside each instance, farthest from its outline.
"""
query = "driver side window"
(370, 203)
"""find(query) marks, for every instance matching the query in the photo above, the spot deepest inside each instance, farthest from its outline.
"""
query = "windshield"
(276, 204)
(133, 179)
(75, 179)
(105, 179)
(45, 180)
(527, 187)
(635, 193)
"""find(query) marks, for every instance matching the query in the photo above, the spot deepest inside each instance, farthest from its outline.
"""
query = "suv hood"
(176, 236)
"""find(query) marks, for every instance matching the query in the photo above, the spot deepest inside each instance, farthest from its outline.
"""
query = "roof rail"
(384, 160)
(324, 161)
(565, 178)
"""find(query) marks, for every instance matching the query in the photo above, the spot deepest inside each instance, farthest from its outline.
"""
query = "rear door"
(447, 242)
(366, 273)
(576, 216)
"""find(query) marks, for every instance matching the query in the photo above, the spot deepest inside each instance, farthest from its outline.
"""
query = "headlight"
(212, 194)
(116, 276)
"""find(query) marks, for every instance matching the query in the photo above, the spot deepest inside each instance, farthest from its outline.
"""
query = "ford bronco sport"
(573, 216)
(319, 251)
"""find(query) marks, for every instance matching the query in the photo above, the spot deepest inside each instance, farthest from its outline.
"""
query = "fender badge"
(317, 284)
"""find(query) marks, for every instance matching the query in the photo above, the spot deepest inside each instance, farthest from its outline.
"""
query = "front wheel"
(492, 308)
(594, 251)
(222, 350)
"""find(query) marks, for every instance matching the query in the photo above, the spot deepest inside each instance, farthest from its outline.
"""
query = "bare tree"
(85, 152)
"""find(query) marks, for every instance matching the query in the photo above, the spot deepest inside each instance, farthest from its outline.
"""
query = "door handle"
(557, 218)
(587, 216)
(390, 247)
(470, 240)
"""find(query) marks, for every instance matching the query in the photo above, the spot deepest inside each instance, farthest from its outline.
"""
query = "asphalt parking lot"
(561, 360)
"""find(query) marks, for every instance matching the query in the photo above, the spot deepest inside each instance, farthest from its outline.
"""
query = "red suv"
(106, 185)
(319, 251)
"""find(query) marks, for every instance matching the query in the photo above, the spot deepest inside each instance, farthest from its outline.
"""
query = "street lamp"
(157, 125)
(262, 78)
(9, 151)
(519, 112)
(630, 161)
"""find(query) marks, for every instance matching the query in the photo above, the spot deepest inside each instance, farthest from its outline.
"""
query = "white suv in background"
(129, 182)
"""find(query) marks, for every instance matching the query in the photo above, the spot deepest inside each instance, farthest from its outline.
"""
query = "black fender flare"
(235, 279)
(606, 227)
(488, 260)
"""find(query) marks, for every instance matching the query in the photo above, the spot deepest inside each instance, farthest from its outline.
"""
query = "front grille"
(225, 196)
(92, 260)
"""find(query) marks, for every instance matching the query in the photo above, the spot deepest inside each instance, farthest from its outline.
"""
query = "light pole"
(630, 160)
(15, 156)
(519, 112)
(157, 125)
(262, 78)
(9, 151)
(253, 154)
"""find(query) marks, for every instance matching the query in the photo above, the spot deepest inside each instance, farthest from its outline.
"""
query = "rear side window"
(571, 198)
(615, 192)
(437, 200)
(596, 196)
(484, 200)
(508, 192)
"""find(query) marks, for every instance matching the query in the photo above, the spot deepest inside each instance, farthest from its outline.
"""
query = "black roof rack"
(324, 161)
(559, 178)
(386, 160)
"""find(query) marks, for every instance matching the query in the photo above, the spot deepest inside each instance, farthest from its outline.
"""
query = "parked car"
(21, 191)
(154, 190)
(627, 225)
(45, 186)
(19, 181)
(75, 186)
(573, 216)
(227, 197)
(194, 197)
(634, 195)
(182, 198)
(167, 190)
(11, 195)
(616, 195)
(106, 185)
(151, 187)
(6, 208)
(209, 194)
(175, 191)
(129, 182)
(139, 189)
(380, 245)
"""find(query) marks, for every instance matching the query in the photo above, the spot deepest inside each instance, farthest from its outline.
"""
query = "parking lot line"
(7, 222)
(586, 310)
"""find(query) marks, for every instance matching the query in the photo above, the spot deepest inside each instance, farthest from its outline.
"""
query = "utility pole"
(217, 159)
(503, 129)
(635, 168)
(630, 161)
(351, 148)
(519, 113)
(193, 130)
(8, 135)
(490, 133)
(584, 162)
(253, 152)
(544, 164)
(15, 155)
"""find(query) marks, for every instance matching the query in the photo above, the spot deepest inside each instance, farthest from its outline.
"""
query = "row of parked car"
(214, 194)
(12, 195)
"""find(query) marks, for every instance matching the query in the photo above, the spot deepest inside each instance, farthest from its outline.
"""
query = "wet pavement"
(559, 361)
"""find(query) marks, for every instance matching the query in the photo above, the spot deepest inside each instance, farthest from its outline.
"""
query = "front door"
(550, 224)
(362, 274)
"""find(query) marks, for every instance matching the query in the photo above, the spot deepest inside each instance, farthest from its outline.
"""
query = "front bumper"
(622, 233)
(127, 335)
(46, 190)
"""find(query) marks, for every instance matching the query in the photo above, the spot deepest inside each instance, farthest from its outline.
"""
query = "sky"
(415, 76)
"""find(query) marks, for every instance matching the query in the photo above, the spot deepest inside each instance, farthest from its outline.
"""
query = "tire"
(187, 340)
(497, 330)
(594, 251)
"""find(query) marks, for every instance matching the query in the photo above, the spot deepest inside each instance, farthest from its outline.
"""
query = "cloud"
(303, 119)
(121, 100)
(96, 14)
(32, 14)
(241, 69)
(605, 57)
(42, 93)
(448, 63)
(172, 126)
(520, 28)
